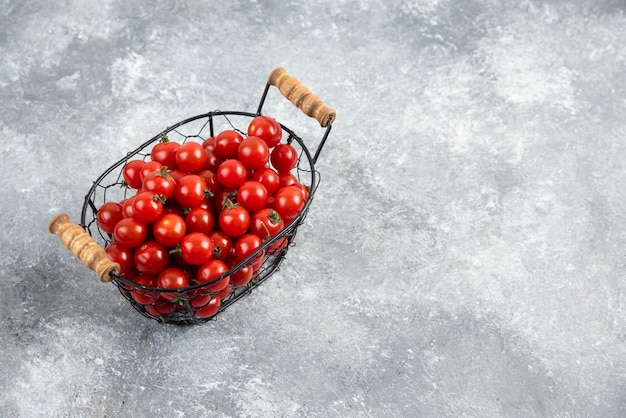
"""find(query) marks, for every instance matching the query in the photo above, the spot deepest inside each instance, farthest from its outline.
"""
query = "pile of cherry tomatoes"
(199, 209)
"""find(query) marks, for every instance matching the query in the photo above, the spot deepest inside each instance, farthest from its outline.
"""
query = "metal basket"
(202, 302)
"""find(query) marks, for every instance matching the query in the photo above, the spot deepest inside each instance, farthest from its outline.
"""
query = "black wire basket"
(202, 302)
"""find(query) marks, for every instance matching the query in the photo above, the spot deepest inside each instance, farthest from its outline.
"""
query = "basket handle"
(298, 94)
(83, 246)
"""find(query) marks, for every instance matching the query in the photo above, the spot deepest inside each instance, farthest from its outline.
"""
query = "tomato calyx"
(163, 138)
(159, 198)
(208, 194)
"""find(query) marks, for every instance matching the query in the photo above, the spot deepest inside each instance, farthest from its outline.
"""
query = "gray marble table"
(465, 254)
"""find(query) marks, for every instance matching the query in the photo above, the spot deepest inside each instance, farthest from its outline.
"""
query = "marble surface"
(465, 254)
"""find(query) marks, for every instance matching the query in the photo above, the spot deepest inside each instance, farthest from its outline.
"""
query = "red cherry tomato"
(231, 174)
(151, 258)
(210, 271)
(284, 158)
(242, 276)
(222, 244)
(266, 223)
(109, 214)
(147, 168)
(147, 207)
(227, 144)
(196, 248)
(143, 296)
(252, 195)
(160, 182)
(234, 221)
(191, 157)
(253, 152)
(122, 256)
(210, 309)
(165, 153)
(266, 128)
(289, 201)
(268, 177)
(172, 278)
(169, 229)
(190, 191)
(130, 233)
(286, 179)
(246, 245)
(131, 171)
(199, 220)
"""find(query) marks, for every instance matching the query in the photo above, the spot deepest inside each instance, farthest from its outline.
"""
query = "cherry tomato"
(266, 223)
(130, 233)
(289, 201)
(160, 309)
(212, 270)
(131, 171)
(246, 245)
(210, 179)
(147, 207)
(210, 309)
(172, 278)
(253, 152)
(169, 229)
(147, 168)
(268, 177)
(191, 157)
(122, 256)
(151, 258)
(252, 195)
(266, 128)
(223, 198)
(209, 143)
(160, 182)
(227, 144)
(165, 153)
(234, 221)
(242, 276)
(143, 296)
(127, 207)
(304, 189)
(222, 244)
(231, 174)
(286, 179)
(212, 159)
(190, 191)
(109, 214)
(284, 157)
(196, 248)
(199, 220)
(177, 174)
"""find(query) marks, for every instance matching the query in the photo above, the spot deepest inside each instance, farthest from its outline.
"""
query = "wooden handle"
(301, 96)
(83, 246)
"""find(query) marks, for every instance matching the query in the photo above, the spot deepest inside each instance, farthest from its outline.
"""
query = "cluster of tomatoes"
(198, 210)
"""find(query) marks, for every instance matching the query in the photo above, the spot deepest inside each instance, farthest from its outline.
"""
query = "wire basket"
(197, 303)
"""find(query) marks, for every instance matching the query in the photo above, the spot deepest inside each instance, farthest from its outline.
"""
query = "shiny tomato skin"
(161, 183)
(122, 256)
(231, 173)
(289, 201)
(266, 223)
(252, 195)
(200, 220)
(169, 229)
(109, 214)
(130, 233)
(191, 157)
(196, 248)
(222, 244)
(141, 296)
(246, 245)
(151, 258)
(165, 153)
(211, 270)
(266, 128)
(234, 221)
(172, 278)
(131, 173)
(147, 207)
(253, 152)
(284, 158)
(190, 191)
(210, 309)
(268, 177)
(147, 168)
(227, 144)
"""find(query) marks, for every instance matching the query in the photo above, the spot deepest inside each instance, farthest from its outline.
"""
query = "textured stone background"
(465, 254)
